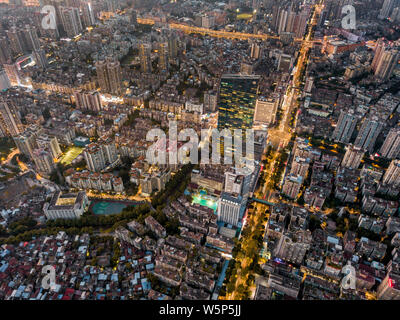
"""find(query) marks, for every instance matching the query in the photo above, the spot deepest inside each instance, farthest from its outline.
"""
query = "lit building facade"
(238, 95)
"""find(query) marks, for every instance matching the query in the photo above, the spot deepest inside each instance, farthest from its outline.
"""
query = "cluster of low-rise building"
(76, 277)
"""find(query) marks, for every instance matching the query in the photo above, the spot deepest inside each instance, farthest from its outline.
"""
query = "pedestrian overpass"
(262, 201)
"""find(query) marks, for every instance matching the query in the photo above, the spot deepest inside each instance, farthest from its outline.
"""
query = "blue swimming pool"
(107, 207)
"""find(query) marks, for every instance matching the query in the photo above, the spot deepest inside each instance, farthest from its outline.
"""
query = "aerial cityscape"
(199, 150)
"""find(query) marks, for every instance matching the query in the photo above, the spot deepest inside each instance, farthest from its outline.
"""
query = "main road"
(253, 221)
(217, 33)
(279, 137)
(283, 135)
(10, 156)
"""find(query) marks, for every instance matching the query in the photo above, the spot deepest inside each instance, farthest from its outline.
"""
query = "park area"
(70, 155)
(6, 146)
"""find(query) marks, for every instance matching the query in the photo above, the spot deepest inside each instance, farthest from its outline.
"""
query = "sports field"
(70, 155)
(244, 16)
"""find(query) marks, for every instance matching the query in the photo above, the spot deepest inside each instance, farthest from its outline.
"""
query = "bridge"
(219, 33)
(262, 201)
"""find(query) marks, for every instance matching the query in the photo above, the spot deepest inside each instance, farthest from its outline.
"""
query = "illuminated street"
(121, 197)
(282, 136)
(219, 34)
(255, 220)
(10, 156)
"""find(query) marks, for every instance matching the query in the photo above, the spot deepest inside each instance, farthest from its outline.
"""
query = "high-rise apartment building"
(102, 77)
(395, 16)
(94, 157)
(210, 101)
(255, 51)
(40, 58)
(88, 18)
(71, 21)
(389, 288)
(300, 167)
(379, 49)
(292, 247)
(26, 141)
(112, 5)
(207, 21)
(392, 174)
(300, 24)
(109, 75)
(15, 39)
(291, 17)
(391, 147)
(282, 21)
(133, 16)
(57, 4)
(352, 157)
(4, 81)
(386, 65)
(265, 112)
(109, 150)
(387, 8)
(50, 144)
(114, 76)
(230, 208)
(234, 182)
(238, 95)
(292, 22)
(44, 161)
(163, 56)
(145, 57)
(292, 185)
(369, 131)
(285, 62)
(10, 122)
(88, 100)
(30, 39)
(5, 53)
(345, 127)
(12, 73)
(172, 46)
(99, 155)
(25, 144)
